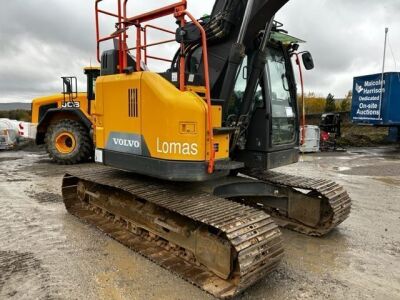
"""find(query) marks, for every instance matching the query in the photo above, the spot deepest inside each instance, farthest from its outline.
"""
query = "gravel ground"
(47, 254)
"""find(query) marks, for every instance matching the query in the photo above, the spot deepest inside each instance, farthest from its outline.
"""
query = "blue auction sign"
(368, 96)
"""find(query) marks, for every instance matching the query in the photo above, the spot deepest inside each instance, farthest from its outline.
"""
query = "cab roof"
(285, 38)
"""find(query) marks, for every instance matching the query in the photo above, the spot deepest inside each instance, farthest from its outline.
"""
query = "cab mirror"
(308, 61)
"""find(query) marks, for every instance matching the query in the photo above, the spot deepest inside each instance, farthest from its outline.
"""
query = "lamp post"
(383, 72)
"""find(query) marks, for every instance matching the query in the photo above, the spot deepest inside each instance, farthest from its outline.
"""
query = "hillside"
(15, 106)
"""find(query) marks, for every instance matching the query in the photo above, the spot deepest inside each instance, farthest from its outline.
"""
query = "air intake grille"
(133, 103)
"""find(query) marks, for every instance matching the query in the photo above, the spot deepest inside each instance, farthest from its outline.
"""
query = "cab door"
(272, 137)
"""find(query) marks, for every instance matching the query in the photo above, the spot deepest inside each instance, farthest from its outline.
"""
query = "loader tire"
(68, 142)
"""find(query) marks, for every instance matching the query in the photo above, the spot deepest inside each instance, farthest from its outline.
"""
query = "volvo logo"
(126, 143)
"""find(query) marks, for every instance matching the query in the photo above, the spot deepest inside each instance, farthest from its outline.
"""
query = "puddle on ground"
(389, 180)
(375, 170)
(9, 158)
(317, 254)
(341, 169)
(345, 158)
(36, 155)
(46, 197)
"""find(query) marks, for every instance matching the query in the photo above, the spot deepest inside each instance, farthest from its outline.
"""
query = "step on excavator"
(184, 156)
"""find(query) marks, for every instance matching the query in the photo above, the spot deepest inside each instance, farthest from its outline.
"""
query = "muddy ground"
(47, 254)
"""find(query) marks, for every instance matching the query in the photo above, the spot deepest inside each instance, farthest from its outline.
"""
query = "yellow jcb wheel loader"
(64, 121)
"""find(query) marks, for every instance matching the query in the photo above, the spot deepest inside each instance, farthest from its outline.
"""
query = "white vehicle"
(8, 137)
(12, 130)
(3, 140)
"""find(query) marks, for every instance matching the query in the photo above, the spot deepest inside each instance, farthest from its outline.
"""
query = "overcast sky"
(42, 40)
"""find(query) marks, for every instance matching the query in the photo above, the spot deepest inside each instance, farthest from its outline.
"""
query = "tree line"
(318, 105)
(18, 114)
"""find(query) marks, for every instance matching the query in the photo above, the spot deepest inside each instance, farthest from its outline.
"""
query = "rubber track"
(251, 232)
(336, 196)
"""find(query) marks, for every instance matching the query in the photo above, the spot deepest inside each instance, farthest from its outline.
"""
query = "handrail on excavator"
(146, 45)
(112, 36)
(145, 29)
(124, 22)
(178, 10)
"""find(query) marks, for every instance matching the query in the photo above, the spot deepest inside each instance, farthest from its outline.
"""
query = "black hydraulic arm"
(236, 55)
(258, 16)
(257, 67)
(232, 29)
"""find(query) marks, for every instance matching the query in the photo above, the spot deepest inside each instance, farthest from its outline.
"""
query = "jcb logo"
(71, 104)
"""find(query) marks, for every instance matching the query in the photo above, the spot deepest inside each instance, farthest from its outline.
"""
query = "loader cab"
(69, 98)
(70, 90)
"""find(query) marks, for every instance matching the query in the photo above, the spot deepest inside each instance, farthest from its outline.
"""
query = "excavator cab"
(271, 136)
